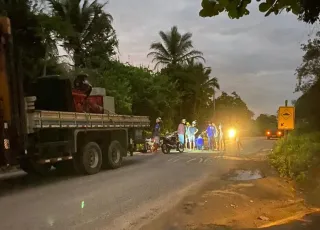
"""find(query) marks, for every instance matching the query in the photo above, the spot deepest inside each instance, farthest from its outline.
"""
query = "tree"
(231, 109)
(307, 109)
(174, 49)
(265, 122)
(196, 87)
(309, 71)
(87, 33)
(200, 87)
(306, 10)
(139, 91)
(29, 29)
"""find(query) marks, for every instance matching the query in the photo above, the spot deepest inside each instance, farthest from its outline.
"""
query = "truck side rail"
(40, 119)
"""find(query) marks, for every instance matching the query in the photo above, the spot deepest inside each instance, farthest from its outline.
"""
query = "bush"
(294, 155)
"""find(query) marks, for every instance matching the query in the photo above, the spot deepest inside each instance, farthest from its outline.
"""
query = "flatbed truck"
(40, 129)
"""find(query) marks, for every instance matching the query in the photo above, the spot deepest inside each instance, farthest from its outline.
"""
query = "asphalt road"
(125, 198)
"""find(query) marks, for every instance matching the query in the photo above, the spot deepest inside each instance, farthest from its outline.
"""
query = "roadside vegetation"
(298, 155)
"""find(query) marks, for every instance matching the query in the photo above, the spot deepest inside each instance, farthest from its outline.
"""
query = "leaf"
(224, 2)
(233, 13)
(295, 8)
(205, 3)
(264, 7)
(208, 9)
(271, 2)
(205, 13)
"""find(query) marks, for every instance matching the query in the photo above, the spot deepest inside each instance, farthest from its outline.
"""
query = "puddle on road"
(244, 175)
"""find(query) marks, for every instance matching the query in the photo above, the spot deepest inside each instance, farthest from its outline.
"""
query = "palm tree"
(202, 85)
(85, 23)
(174, 49)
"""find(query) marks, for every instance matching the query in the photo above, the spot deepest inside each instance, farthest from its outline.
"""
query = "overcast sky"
(254, 56)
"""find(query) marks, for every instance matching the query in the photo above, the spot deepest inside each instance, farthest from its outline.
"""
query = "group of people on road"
(187, 135)
(215, 134)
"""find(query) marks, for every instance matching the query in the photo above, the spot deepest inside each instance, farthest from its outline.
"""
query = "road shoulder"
(221, 203)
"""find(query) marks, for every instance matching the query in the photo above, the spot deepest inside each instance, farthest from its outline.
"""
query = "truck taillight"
(6, 144)
(6, 141)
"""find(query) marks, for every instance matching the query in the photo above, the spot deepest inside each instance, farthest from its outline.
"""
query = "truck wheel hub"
(93, 158)
(115, 154)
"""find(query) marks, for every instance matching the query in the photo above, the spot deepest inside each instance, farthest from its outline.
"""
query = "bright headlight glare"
(232, 133)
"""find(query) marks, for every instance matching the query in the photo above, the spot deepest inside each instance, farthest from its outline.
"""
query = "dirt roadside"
(230, 201)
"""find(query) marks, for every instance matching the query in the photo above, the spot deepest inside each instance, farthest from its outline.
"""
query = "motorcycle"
(171, 141)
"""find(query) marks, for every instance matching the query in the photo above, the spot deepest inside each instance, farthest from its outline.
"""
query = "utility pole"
(214, 105)
(286, 105)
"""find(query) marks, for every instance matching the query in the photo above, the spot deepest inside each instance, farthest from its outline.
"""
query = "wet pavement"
(244, 175)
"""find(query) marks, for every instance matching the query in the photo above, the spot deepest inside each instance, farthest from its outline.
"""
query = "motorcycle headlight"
(231, 133)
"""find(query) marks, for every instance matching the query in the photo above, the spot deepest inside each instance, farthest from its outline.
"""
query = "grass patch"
(295, 155)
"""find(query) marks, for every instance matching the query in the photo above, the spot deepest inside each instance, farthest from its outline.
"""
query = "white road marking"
(176, 160)
(207, 160)
(193, 159)
(173, 158)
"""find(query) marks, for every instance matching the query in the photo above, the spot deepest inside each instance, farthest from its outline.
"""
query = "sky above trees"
(254, 56)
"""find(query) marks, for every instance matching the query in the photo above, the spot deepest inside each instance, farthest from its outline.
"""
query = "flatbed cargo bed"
(40, 119)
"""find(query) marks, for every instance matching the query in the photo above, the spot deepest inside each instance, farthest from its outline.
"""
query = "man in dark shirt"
(156, 134)
(210, 135)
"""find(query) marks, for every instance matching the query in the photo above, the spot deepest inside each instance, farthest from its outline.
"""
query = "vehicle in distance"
(274, 133)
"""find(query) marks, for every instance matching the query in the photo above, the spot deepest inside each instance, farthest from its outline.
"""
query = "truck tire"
(89, 159)
(32, 167)
(113, 157)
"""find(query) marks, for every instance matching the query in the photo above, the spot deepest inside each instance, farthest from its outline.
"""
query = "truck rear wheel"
(113, 158)
(89, 160)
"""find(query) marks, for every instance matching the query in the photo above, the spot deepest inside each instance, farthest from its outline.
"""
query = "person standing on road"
(192, 138)
(215, 134)
(187, 135)
(182, 131)
(221, 138)
(210, 136)
(238, 137)
(156, 135)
